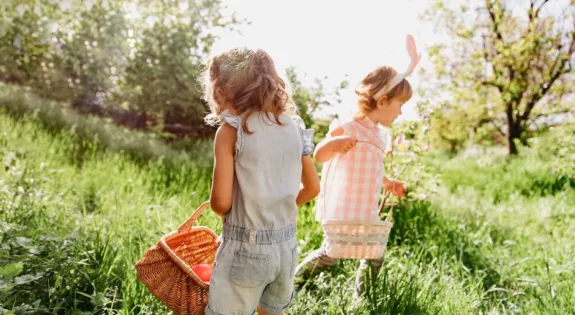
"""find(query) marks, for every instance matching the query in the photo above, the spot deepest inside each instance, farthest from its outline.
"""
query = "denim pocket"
(249, 270)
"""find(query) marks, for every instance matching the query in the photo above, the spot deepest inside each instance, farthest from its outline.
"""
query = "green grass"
(76, 213)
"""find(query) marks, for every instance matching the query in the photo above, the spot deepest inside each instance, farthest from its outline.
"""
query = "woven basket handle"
(190, 222)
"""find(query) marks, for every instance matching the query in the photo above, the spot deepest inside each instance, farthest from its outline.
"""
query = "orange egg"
(203, 271)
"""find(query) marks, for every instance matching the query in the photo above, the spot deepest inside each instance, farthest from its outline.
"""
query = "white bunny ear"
(410, 45)
(415, 57)
(412, 52)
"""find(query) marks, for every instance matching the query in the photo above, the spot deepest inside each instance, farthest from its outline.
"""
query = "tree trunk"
(514, 133)
(511, 144)
(453, 147)
(513, 130)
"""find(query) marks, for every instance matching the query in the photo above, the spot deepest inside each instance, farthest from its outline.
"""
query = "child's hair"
(247, 80)
(374, 82)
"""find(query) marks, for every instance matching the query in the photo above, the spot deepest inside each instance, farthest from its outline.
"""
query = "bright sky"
(332, 38)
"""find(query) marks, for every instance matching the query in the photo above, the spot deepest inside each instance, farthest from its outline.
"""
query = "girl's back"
(267, 172)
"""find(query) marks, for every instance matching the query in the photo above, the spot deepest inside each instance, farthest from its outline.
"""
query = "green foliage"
(321, 128)
(64, 246)
(556, 148)
(169, 45)
(508, 178)
(111, 56)
(97, 133)
(137, 62)
(494, 236)
(503, 73)
(449, 130)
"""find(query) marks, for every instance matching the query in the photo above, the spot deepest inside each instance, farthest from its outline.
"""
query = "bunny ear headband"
(412, 52)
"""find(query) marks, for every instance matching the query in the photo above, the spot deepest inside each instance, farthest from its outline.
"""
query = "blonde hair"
(247, 80)
(374, 82)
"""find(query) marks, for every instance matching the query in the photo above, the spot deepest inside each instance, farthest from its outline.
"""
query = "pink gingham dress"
(351, 183)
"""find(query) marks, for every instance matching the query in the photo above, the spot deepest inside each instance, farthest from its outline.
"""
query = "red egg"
(203, 271)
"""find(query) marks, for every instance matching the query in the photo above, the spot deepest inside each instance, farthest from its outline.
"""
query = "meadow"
(80, 203)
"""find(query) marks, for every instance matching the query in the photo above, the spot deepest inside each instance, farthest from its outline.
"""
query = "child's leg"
(362, 273)
(313, 263)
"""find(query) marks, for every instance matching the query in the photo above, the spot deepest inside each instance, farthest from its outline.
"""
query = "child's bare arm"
(223, 176)
(310, 182)
(336, 143)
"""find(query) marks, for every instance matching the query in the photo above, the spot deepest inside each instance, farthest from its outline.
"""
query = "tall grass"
(76, 213)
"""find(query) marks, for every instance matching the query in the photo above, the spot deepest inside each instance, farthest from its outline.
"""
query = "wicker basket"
(356, 239)
(166, 268)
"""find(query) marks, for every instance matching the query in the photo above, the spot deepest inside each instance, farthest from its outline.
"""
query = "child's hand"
(396, 187)
(342, 144)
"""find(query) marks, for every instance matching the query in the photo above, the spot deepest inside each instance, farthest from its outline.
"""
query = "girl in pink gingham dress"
(352, 180)
(353, 173)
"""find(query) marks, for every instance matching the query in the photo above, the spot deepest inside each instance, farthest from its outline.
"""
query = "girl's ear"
(382, 102)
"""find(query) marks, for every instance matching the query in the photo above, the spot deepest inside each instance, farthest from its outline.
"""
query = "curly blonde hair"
(374, 82)
(246, 80)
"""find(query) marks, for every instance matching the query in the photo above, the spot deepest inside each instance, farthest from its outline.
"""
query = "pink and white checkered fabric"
(351, 183)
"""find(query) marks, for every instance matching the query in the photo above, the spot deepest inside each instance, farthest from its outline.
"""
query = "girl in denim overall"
(262, 173)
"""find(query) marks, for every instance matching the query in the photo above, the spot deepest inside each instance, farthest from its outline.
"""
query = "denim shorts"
(253, 268)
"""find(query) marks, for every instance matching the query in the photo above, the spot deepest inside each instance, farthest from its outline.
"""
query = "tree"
(135, 60)
(171, 40)
(448, 129)
(24, 40)
(510, 63)
(91, 52)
